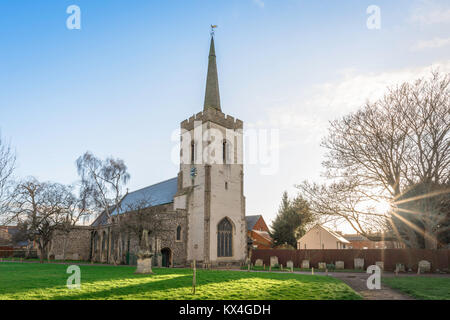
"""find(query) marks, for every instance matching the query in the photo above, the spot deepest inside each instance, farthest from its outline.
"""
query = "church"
(201, 211)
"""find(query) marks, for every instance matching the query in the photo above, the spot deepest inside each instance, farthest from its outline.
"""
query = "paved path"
(358, 282)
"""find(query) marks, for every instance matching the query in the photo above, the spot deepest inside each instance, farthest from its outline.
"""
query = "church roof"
(154, 195)
(212, 96)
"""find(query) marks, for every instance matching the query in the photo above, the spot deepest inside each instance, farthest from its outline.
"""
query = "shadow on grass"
(105, 282)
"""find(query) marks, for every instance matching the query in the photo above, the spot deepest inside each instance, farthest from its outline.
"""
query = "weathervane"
(213, 26)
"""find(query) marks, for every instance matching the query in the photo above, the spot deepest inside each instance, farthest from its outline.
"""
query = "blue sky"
(122, 84)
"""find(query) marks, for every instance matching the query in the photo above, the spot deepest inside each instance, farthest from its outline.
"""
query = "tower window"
(226, 185)
(192, 152)
(224, 151)
(224, 238)
(179, 233)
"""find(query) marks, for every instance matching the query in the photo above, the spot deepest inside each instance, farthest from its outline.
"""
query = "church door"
(166, 257)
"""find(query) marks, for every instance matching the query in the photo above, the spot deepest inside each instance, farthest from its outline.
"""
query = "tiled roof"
(355, 237)
(251, 221)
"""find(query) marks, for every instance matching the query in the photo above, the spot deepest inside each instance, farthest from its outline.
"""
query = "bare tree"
(102, 183)
(7, 165)
(384, 149)
(40, 208)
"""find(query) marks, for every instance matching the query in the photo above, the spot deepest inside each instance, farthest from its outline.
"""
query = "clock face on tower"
(193, 172)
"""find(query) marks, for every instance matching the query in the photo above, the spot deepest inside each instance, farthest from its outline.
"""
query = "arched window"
(192, 152)
(95, 249)
(224, 238)
(179, 233)
(224, 151)
(104, 241)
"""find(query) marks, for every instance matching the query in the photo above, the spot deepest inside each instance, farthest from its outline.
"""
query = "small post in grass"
(248, 266)
(326, 271)
(418, 270)
(194, 277)
(292, 267)
(281, 267)
(312, 270)
(264, 267)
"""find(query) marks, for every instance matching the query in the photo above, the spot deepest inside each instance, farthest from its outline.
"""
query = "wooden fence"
(439, 259)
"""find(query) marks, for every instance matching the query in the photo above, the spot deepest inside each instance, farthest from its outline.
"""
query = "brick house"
(258, 232)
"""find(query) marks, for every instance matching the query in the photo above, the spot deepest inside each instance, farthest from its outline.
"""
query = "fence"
(10, 252)
(439, 259)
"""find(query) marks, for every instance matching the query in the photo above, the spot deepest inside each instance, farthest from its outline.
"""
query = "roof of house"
(336, 235)
(251, 221)
(154, 195)
(355, 237)
(333, 233)
(263, 234)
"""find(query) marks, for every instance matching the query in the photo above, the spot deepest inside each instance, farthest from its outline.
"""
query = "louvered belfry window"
(224, 239)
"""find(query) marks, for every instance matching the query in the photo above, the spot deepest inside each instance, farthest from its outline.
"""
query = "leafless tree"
(7, 165)
(39, 209)
(102, 183)
(384, 149)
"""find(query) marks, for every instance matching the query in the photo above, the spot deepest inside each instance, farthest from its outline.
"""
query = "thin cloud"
(429, 12)
(431, 44)
(259, 3)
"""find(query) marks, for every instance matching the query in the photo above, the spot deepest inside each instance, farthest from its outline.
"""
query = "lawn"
(48, 281)
(425, 288)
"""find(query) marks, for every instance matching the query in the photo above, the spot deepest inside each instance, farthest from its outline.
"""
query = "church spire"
(212, 97)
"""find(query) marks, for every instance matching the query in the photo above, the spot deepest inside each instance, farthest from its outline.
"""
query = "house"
(258, 232)
(358, 241)
(320, 237)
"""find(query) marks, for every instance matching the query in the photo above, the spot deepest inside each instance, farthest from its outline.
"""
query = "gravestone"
(59, 257)
(424, 266)
(273, 261)
(380, 264)
(359, 263)
(322, 265)
(259, 263)
(75, 256)
(339, 264)
(289, 264)
(305, 264)
(400, 267)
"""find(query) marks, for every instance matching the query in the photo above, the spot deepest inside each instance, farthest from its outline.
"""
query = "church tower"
(210, 181)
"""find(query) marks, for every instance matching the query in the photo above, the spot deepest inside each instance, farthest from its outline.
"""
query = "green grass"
(425, 288)
(28, 281)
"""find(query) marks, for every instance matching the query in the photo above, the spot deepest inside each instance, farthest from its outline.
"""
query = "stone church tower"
(210, 181)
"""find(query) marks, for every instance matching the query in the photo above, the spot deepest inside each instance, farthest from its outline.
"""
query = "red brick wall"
(440, 259)
(259, 241)
(260, 225)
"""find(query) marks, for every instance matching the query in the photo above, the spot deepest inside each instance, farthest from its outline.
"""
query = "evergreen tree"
(293, 217)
